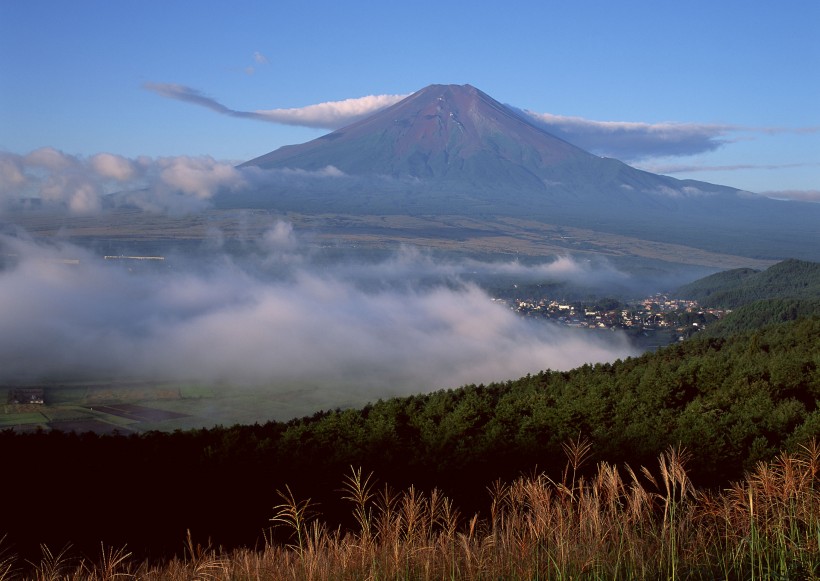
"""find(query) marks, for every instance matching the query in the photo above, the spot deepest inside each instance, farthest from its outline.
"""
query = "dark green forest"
(763, 313)
(790, 279)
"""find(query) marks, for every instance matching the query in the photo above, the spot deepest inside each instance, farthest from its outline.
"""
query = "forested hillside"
(762, 313)
(790, 279)
(729, 401)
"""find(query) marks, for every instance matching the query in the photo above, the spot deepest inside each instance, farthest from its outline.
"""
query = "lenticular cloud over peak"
(76, 315)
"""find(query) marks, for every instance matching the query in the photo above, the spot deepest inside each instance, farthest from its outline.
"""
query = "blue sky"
(729, 92)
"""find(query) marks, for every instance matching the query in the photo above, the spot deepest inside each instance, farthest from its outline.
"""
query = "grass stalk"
(642, 525)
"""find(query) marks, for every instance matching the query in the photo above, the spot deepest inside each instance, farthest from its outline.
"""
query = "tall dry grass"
(616, 524)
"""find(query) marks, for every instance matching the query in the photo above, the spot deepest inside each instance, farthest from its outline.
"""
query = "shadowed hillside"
(790, 279)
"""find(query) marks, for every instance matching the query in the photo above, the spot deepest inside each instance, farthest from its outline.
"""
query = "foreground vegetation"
(618, 523)
(742, 503)
(732, 401)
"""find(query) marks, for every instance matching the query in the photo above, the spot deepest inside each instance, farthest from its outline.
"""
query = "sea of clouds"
(278, 318)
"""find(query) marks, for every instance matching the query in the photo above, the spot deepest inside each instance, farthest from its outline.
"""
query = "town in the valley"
(658, 316)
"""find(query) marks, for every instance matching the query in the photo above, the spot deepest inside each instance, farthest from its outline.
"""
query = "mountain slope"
(453, 150)
(790, 279)
(460, 138)
(448, 133)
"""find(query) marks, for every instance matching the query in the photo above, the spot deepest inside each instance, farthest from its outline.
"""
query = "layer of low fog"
(278, 318)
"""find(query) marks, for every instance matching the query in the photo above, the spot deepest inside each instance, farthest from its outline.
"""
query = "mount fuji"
(454, 150)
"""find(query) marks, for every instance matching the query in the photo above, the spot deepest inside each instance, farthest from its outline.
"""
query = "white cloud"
(329, 171)
(332, 114)
(796, 195)
(12, 174)
(50, 159)
(80, 185)
(590, 273)
(634, 140)
(197, 176)
(112, 166)
(303, 326)
(53, 177)
(259, 58)
(279, 245)
(328, 115)
(671, 168)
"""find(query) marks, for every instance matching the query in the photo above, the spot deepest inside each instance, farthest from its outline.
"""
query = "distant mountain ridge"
(454, 150)
(790, 279)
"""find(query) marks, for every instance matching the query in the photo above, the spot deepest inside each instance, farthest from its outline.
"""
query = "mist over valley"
(284, 317)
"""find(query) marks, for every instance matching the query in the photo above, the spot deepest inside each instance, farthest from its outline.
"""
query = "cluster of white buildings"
(655, 312)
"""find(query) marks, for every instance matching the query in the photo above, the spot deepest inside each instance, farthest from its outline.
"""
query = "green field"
(20, 419)
(91, 406)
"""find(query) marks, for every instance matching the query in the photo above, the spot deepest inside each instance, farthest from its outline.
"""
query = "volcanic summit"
(454, 150)
(459, 137)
